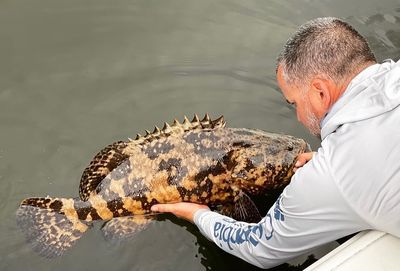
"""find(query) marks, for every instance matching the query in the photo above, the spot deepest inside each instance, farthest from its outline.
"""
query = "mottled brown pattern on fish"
(200, 167)
(199, 161)
(204, 166)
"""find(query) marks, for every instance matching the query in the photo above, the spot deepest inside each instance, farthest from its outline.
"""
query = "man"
(328, 72)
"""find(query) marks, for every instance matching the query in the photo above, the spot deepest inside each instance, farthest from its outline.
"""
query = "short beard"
(313, 123)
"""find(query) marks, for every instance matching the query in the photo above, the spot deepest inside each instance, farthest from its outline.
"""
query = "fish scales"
(200, 161)
(202, 166)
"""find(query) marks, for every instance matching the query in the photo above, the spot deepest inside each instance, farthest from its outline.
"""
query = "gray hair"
(327, 46)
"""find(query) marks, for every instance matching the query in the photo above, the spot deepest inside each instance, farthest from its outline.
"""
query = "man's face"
(301, 102)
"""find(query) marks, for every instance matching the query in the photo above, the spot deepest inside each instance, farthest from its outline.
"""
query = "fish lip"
(305, 148)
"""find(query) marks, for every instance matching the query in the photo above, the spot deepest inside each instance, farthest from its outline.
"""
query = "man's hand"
(184, 210)
(302, 159)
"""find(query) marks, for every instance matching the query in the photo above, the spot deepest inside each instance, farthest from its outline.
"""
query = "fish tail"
(50, 225)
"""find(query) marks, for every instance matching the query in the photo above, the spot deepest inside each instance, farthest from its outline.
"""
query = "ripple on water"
(77, 75)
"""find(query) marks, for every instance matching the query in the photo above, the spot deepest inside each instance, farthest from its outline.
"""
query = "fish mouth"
(305, 148)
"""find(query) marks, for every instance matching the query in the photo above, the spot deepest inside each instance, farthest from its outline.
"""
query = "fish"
(199, 161)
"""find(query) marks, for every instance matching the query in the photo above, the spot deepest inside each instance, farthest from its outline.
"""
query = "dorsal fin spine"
(177, 127)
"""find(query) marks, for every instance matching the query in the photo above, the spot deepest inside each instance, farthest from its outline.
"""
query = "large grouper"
(198, 161)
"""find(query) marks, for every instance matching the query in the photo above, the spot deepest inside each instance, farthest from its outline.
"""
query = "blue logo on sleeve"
(237, 233)
(232, 232)
(278, 215)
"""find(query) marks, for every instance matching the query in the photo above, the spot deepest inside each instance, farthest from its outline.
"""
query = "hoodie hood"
(374, 91)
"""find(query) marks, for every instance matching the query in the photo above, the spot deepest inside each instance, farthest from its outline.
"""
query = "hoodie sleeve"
(310, 212)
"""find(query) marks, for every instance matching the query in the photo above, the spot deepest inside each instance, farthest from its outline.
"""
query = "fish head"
(261, 162)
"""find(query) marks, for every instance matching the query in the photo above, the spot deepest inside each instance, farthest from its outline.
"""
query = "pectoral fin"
(245, 209)
(226, 209)
(125, 227)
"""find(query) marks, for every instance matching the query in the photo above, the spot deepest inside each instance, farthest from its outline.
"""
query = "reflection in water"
(76, 75)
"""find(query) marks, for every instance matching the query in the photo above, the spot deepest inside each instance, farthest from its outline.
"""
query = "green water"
(78, 75)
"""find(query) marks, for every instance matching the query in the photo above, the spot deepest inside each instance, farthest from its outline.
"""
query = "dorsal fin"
(220, 122)
(177, 127)
(101, 165)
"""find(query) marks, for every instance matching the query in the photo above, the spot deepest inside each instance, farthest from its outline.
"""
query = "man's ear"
(321, 94)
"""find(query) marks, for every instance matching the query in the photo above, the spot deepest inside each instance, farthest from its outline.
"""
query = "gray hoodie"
(351, 184)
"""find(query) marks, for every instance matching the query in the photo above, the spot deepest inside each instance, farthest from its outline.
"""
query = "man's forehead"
(285, 89)
(279, 77)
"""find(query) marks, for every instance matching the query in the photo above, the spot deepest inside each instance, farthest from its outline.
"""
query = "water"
(78, 75)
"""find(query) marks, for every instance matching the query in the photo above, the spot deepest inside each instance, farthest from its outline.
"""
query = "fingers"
(302, 159)
(163, 208)
(184, 210)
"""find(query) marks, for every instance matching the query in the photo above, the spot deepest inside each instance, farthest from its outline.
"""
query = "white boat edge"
(368, 250)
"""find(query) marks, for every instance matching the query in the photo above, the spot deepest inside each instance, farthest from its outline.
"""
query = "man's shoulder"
(363, 160)
(363, 142)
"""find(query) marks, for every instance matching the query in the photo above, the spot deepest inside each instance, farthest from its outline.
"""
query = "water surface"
(78, 75)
